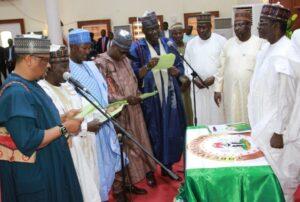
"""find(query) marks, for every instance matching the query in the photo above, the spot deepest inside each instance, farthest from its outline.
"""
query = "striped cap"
(149, 19)
(58, 54)
(79, 36)
(31, 44)
(203, 18)
(122, 39)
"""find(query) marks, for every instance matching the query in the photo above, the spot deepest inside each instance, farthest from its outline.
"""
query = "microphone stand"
(123, 133)
(194, 75)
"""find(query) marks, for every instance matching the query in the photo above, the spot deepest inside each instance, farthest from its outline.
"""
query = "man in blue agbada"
(164, 113)
(35, 161)
(87, 73)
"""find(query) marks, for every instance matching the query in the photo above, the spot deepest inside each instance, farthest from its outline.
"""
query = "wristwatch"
(63, 130)
(147, 67)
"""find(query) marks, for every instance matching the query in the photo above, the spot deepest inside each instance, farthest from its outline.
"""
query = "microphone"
(67, 77)
(171, 45)
(194, 73)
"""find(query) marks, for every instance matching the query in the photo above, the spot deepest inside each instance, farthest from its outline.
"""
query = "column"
(55, 33)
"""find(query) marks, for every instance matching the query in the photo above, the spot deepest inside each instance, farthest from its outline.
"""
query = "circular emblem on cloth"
(25, 158)
(225, 147)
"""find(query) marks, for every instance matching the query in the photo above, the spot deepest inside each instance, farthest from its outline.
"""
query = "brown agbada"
(122, 83)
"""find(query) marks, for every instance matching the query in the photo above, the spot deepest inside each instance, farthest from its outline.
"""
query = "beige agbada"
(233, 78)
(82, 146)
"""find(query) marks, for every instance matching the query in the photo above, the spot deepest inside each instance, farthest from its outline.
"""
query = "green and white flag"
(222, 165)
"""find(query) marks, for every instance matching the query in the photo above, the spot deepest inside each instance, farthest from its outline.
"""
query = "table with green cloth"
(222, 166)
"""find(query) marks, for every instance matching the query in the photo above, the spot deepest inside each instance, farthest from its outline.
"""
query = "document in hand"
(112, 109)
(165, 62)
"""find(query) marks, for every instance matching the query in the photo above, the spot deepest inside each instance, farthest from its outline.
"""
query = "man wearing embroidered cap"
(164, 113)
(289, 163)
(273, 86)
(82, 147)
(87, 73)
(177, 36)
(237, 65)
(203, 53)
(37, 164)
(122, 84)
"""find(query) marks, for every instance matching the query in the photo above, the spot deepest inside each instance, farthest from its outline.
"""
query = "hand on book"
(133, 100)
(94, 126)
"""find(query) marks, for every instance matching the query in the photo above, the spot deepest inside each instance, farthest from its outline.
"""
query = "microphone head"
(66, 76)
(170, 44)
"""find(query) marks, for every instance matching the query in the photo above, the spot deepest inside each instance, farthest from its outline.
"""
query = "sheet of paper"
(165, 62)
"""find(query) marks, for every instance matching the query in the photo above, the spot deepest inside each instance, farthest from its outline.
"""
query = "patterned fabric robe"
(121, 84)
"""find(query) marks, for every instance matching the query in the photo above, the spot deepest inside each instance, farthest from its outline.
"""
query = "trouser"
(10, 66)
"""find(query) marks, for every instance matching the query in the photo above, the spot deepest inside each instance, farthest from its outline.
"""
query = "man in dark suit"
(102, 42)
(93, 53)
(2, 65)
(10, 56)
(165, 32)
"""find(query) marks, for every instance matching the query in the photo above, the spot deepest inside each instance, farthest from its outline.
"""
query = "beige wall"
(71, 11)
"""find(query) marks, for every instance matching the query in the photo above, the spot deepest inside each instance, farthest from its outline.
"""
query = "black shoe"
(151, 181)
(120, 197)
(135, 190)
(166, 174)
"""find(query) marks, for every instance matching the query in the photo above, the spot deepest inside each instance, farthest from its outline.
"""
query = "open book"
(112, 110)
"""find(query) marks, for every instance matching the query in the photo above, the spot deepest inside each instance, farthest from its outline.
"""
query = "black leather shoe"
(120, 197)
(151, 181)
(135, 190)
(166, 174)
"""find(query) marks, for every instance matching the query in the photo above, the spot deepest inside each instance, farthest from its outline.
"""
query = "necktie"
(103, 44)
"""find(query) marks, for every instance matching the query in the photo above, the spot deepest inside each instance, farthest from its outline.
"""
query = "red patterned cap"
(276, 12)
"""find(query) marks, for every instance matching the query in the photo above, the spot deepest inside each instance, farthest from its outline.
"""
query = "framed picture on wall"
(124, 27)
(136, 26)
(95, 26)
(9, 29)
(190, 19)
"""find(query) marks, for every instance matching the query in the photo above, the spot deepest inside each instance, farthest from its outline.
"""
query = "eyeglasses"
(42, 59)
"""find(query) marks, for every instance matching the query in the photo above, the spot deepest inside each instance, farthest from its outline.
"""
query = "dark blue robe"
(26, 115)
(165, 122)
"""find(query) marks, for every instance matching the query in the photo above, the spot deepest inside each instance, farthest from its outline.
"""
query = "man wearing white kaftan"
(237, 65)
(272, 95)
(82, 146)
(272, 88)
(289, 160)
(204, 57)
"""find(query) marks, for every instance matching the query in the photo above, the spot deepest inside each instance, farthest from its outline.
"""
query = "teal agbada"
(26, 115)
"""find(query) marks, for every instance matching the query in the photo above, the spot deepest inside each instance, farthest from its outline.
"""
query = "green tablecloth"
(230, 184)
